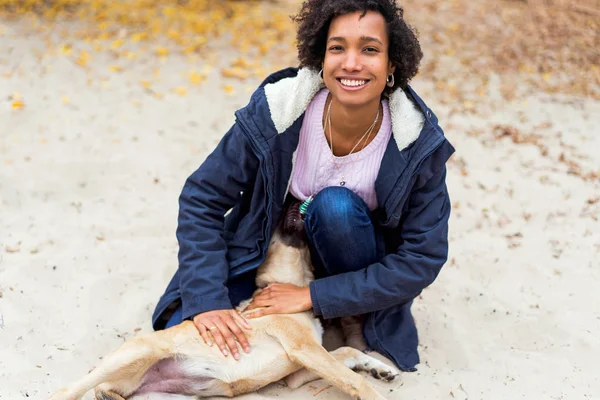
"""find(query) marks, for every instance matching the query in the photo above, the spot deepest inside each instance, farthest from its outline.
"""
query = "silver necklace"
(366, 135)
(304, 206)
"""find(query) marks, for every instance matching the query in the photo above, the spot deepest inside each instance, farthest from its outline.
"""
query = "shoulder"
(281, 99)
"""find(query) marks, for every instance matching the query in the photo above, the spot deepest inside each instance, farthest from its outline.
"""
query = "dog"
(284, 346)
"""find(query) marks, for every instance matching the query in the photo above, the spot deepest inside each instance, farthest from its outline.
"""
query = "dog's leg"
(353, 359)
(301, 347)
(353, 335)
(126, 364)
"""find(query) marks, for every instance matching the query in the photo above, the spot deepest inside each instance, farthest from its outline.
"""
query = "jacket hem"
(200, 304)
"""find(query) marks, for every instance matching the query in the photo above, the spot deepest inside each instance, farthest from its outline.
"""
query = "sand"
(91, 168)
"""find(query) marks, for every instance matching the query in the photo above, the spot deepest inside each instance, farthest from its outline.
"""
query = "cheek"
(380, 71)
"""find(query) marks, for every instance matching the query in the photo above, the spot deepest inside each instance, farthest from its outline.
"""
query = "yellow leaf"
(180, 91)
(136, 37)
(235, 72)
(117, 43)
(83, 58)
(196, 78)
(265, 47)
(241, 62)
(66, 49)
(173, 34)
(161, 51)
(17, 104)
(115, 68)
(65, 100)
(228, 89)
(145, 84)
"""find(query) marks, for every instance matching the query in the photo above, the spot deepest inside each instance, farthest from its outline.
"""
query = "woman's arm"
(401, 276)
(207, 195)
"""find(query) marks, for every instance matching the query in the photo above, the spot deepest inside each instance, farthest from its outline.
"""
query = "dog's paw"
(107, 395)
(383, 374)
(378, 369)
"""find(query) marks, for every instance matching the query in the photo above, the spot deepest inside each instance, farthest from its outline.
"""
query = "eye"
(335, 48)
(371, 50)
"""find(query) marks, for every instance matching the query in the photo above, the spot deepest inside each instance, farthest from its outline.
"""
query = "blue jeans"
(341, 237)
(340, 232)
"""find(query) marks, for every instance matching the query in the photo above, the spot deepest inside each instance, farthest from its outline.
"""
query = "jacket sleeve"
(207, 195)
(400, 276)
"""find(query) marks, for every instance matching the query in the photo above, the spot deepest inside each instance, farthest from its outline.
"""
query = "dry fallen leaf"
(18, 104)
(235, 72)
(161, 51)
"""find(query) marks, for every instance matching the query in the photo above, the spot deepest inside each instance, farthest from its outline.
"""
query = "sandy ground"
(92, 165)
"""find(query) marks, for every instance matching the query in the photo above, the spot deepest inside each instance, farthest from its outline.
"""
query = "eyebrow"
(362, 39)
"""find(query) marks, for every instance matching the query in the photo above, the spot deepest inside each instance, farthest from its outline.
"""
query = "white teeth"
(351, 82)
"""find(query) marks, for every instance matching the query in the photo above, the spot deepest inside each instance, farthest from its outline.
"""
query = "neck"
(352, 122)
(285, 264)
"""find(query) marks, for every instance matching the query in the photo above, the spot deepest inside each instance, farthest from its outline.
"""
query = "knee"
(338, 208)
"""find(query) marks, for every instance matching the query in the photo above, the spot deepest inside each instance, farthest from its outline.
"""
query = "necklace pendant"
(342, 183)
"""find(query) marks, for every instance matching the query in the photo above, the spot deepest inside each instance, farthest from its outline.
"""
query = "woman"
(348, 137)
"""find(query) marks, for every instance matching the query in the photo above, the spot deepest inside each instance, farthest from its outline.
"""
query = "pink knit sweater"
(315, 169)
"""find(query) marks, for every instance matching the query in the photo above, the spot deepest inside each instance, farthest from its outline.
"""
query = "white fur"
(289, 98)
(407, 120)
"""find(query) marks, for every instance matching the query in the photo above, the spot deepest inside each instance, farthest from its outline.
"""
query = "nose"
(352, 62)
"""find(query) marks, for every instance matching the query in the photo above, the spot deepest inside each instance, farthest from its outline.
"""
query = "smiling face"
(356, 63)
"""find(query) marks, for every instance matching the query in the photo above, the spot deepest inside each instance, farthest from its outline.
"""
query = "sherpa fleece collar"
(289, 98)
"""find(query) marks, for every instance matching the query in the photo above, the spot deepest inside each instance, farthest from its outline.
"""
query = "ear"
(391, 68)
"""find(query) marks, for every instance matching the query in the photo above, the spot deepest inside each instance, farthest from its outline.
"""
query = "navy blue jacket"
(230, 206)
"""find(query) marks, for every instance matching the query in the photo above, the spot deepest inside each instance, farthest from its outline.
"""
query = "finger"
(204, 333)
(229, 337)
(258, 313)
(216, 327)
(260, 302)
(241, 320)
(239, 334)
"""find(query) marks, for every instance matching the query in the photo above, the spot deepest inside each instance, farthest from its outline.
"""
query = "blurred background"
(107, 106)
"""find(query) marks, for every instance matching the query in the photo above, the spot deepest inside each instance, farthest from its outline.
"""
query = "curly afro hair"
(315, 18)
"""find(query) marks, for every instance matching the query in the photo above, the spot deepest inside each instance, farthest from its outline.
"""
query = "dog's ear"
(291, 225)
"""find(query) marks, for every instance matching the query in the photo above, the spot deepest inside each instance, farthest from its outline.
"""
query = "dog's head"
(291, 226)
(288, 257)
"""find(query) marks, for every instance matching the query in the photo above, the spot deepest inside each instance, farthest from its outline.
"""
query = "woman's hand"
(224, 326)
(280, 298)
